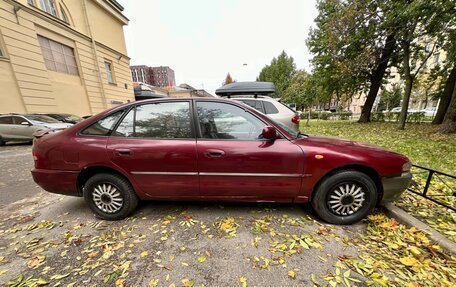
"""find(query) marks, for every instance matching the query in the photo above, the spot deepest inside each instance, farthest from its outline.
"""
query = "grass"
(424, 146)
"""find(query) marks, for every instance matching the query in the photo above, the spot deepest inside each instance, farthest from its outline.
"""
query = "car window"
(18, 120)
(126, 126)
(104, 126)
(41, 119)
(163, 120)
(225, 121)
(254, 104)
(270, 108)
(6, 120)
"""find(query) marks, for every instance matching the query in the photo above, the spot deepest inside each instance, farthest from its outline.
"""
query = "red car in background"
(216, 150)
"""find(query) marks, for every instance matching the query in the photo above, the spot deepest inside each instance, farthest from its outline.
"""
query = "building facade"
(65, 56)
(162, 76)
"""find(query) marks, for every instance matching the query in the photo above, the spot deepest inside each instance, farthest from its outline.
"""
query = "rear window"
(257, 105)
(104, 126)
(6, 121)
(270, 108)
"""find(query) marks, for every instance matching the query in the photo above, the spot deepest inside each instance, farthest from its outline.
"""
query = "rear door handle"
(214, 153)
(123, 152)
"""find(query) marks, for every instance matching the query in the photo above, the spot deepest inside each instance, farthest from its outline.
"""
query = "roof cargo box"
(246, 88)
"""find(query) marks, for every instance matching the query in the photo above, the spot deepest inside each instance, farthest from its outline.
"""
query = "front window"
(49, 7)
(58, 57)
(225, 121)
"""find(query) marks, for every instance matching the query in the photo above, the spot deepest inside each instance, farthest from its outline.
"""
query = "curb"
(409, 220)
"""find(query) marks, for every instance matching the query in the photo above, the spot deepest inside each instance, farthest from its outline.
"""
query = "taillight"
(295, 119)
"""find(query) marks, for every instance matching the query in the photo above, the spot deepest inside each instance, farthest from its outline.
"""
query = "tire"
(107, 203)
(338, 204)
(2, 142)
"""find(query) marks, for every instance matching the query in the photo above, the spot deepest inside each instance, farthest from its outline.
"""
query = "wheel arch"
(88, 172)
(369, 171)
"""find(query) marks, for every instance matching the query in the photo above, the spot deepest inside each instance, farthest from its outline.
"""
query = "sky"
(203, 40)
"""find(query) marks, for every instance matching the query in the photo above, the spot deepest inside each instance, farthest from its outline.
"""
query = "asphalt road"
(57, 239)
(15, 179)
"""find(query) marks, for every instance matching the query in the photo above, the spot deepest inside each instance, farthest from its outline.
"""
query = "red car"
(212, 149)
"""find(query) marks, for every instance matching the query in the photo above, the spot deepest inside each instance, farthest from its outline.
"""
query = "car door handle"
(123, 152)
(214, 153)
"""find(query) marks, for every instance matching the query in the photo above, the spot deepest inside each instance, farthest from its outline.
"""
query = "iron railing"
(429, 192)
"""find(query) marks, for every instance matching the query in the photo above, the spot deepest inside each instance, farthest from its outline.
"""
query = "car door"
(155, 143)
(234, 162)
(22, 131)
(6, 122)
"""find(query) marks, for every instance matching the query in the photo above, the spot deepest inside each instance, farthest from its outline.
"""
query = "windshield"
(37, 119)
(287, 129)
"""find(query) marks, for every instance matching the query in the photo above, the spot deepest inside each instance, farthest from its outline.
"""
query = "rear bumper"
(57, 181)
(393, 187)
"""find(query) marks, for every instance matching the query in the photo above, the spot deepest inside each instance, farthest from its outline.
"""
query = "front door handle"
(123, 152)
(214, 153)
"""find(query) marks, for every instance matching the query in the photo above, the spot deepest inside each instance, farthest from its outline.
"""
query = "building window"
(109, 74)
(64, 15)
(58, 57)
(49, 7)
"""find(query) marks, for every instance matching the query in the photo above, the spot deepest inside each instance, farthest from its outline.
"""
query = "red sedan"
(212, 149)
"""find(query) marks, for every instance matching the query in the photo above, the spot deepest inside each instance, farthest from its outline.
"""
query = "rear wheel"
(2, 142)
(110, 196)
(345, 197)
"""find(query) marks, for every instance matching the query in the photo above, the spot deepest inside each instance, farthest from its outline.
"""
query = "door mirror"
(269, 133)
(25, 124)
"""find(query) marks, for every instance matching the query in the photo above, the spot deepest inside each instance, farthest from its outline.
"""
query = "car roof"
(243, 88)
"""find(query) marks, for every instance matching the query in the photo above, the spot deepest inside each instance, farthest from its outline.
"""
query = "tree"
(352, 48)
(280, 72)
(449, 122)
(445, 98)
(228, 80)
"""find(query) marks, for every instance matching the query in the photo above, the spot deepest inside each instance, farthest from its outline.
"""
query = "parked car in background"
(212, 149)
(399, 109)
(429, 111)
(66, 118)
(254, 94)
(18, 127)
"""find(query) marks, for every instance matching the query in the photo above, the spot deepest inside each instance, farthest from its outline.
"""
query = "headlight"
(406, 167)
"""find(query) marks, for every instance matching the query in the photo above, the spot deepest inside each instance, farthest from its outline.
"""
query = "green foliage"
(378, 117)
(280, 72)
(390, 98)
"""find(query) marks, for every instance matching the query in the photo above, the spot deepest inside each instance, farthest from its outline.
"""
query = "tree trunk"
(408, 86)
(445, 99)
(449, 123)
(377, 77)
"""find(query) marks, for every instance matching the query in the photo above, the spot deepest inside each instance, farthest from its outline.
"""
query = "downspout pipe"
(94, 48)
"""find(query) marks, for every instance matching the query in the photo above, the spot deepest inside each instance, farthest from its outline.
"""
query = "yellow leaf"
(408, 261)
(144, 254)
(291, 274)
(153, 282)
(3, 271)
(243, 280)
(187, 283)
(201, 259)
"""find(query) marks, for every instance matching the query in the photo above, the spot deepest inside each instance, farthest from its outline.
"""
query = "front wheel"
(345, 197)
(109, 196)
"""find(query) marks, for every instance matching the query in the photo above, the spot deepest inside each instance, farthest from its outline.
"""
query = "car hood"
(328, 142)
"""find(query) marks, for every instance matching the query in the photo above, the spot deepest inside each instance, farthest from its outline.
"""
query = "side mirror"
(269, 133)
(25, 124)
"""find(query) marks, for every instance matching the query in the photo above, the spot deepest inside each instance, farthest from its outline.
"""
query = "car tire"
(109, 196)
(2, 142)
(345, 197)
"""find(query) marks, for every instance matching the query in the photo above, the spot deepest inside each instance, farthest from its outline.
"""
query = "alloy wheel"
(346, 198)
(107, 198)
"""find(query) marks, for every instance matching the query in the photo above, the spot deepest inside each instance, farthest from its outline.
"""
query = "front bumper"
(57, 181)
(393, 187)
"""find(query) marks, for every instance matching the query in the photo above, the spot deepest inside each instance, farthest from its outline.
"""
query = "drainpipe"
(94, 48)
